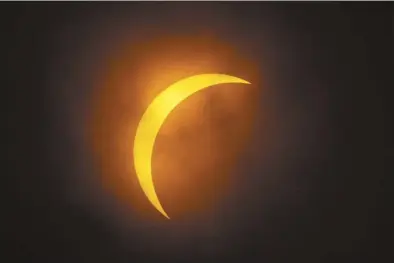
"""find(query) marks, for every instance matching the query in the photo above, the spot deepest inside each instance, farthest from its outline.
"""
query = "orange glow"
(197, 146)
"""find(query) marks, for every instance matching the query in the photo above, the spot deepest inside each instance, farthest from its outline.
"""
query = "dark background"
(344, 49)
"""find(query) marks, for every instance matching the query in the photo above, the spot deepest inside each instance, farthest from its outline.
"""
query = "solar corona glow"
(154, 117)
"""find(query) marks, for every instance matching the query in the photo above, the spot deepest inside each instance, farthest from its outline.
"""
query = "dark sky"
(312, 187)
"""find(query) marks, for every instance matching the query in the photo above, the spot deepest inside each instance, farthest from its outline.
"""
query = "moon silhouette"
(154, 117)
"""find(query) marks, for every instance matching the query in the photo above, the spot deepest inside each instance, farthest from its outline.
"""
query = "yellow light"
(154, 117)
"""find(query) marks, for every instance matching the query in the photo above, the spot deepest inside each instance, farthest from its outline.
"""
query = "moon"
(154, 117)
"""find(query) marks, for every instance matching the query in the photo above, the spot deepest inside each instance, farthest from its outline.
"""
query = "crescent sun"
(154, 117)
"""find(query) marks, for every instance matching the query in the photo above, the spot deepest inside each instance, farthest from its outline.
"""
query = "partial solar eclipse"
(154, 117)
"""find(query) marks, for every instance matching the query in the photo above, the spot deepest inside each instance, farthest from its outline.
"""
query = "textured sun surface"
(154, 117)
